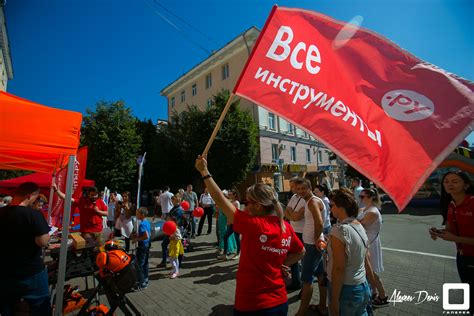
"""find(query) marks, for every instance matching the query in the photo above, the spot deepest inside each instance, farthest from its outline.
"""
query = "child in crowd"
(176, 250)
(144, 243)
(177, 212)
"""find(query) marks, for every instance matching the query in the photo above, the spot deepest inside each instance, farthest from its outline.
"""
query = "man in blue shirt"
(144, 244)
(357, 189)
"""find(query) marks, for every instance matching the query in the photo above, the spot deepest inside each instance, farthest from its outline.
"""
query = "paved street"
(206, 286)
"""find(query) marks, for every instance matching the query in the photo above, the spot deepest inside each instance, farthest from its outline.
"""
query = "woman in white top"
(371, 219)
(321, 191)
(124, 210)
(348, 266)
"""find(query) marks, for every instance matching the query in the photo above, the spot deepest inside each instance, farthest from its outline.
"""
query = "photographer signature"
(418, 298)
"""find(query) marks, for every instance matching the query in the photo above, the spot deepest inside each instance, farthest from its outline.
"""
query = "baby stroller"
(183, 220)
(186, 231)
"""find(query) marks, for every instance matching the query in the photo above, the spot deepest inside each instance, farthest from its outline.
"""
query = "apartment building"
(285, 150)
(6, 68)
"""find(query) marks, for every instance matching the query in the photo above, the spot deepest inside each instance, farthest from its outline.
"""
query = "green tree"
(230, 157)
(10, 174)
(111, 135)
(351, 172)
(149, 135)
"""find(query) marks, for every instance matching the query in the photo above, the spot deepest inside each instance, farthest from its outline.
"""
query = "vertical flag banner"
(61, 176)
(387, 113)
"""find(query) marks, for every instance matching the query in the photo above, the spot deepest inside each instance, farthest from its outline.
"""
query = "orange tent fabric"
(36, 137)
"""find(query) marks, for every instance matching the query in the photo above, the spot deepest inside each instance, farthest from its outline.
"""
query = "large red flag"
(61, 176)
(389, 114)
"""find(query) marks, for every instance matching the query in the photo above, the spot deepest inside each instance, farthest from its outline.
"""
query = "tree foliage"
(111, 135)
(230, 157)
(11, 174)
(148, 132)
(351, 173)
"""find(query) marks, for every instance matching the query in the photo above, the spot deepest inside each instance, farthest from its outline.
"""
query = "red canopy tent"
(42, 179)
(36, 137)
(42, 139)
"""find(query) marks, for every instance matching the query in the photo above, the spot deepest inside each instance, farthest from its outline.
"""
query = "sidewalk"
(206, 286)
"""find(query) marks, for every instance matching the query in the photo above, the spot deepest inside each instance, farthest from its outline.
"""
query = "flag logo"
(407, 105)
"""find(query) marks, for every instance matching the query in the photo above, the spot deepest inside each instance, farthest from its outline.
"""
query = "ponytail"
(267, 197)
(280, 214)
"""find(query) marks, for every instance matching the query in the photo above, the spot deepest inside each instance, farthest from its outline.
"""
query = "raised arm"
(221, 201)
(60, 194)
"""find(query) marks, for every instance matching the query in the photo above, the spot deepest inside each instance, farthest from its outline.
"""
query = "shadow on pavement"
(198, 264)
(216, 275)
(155, 254)
(222, 310)
(193, 256)
(156, 276)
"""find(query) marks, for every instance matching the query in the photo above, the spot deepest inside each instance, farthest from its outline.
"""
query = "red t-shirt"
(91, 222)
(461, 223)
(264, 247)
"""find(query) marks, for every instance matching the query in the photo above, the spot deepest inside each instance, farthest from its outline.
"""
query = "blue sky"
(71, 54)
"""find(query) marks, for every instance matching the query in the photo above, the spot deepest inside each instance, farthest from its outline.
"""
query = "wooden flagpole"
(218, 126)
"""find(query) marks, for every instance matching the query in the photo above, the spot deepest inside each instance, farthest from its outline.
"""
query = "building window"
(209, 103)
(195, 89)
(208, 81)
(271, 121)
(225, 71)
(320, 157)
(172, 102)
(291, 128)
(293, 153)
(308, 155)
(305, 135)
(274, 151)
(183, 96)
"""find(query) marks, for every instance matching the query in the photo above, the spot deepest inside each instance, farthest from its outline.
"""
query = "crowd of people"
(343, 254)
(331, 236)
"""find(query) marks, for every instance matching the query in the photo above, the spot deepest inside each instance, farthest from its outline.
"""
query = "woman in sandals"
(268, 247)
(371, 219)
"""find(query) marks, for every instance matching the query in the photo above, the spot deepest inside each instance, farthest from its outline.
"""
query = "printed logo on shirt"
(285, 242)
(263, 238)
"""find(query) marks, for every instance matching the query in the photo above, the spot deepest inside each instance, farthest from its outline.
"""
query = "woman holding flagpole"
(268, 246)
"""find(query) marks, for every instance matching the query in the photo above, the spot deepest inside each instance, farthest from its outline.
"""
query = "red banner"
(61, 176)
(390, 115)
